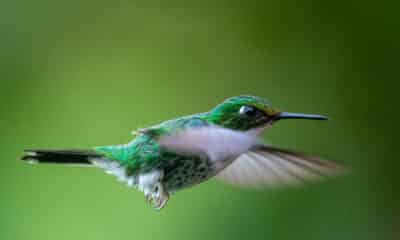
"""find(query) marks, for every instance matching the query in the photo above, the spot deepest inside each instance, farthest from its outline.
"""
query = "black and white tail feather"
(69, 157)
(86, 158)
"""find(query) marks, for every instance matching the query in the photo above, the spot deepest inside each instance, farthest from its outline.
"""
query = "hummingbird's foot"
(158, 198)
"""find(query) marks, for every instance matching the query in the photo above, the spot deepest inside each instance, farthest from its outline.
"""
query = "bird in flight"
(180, 153)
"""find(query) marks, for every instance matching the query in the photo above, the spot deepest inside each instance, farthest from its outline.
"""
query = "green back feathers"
(143, 152)
(140, 153)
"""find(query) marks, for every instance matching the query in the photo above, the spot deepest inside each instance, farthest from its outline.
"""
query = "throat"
(258, 130)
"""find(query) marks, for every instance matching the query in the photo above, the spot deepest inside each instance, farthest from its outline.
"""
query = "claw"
(158, 198)
(163, 201)
(148, 198)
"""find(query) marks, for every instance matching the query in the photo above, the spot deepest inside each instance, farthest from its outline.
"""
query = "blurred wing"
(266, 166)
(215, 142)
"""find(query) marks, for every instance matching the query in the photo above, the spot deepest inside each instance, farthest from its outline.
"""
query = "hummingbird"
(224, 143)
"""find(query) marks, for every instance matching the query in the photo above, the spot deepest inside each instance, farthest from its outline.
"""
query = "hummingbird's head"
(251, 112)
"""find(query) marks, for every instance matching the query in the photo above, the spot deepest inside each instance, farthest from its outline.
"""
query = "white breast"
(218, 144)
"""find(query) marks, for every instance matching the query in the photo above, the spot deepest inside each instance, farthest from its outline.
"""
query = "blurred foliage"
(85, 73)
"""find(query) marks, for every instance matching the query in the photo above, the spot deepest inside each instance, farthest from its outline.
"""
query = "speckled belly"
(186, 172)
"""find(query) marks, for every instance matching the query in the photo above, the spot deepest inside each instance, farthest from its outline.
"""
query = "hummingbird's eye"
(248, 111)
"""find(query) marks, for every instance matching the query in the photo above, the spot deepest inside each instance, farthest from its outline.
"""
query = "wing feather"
(265, 166)
(257, 165)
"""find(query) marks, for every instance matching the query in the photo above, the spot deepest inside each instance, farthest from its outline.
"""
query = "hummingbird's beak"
(289, 115)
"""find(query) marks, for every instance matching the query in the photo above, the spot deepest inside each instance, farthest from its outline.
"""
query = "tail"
(79, 157)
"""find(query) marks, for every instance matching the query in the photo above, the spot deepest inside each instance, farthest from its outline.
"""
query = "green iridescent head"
(249, 112)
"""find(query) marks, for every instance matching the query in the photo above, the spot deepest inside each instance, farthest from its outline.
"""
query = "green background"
(85, 73)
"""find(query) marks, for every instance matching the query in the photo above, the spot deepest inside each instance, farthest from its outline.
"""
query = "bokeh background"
(85, 73)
